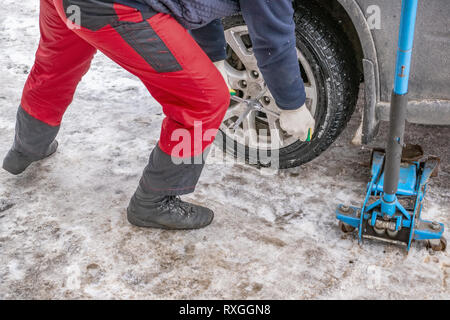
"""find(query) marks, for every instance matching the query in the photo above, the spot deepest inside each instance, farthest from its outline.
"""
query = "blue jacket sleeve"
(272, 31)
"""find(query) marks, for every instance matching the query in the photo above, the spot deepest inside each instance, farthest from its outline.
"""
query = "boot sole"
(147, 224)
(17, 172)
(14, 172)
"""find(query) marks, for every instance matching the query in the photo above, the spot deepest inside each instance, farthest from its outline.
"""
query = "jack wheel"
(441, 246)
(391, 233)
(346, 228)
(379, 231)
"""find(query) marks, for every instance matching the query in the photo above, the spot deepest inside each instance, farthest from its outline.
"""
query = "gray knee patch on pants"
(33, 137)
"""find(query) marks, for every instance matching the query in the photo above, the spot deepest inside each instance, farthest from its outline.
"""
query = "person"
(272, 32)
(150, 39)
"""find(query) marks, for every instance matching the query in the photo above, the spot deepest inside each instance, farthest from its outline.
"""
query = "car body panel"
(429, 94)
(430, 71)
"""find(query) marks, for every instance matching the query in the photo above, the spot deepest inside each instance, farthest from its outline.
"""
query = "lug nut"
(266, 100)
(255, 74)
(243, 84)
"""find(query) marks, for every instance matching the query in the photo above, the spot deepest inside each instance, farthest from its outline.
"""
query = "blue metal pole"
(405, 46)
(399, 102)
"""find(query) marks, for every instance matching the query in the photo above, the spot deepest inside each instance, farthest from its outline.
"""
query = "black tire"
(328, 52)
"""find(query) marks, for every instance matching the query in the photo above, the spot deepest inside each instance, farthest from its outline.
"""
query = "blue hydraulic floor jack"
(393, 204)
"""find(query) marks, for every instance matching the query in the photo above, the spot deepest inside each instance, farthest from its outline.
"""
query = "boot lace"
(176, 205)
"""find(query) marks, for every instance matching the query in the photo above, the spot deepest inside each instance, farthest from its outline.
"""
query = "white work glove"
(298, 123)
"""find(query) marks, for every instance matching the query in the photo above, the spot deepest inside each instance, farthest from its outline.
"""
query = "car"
(340, 44)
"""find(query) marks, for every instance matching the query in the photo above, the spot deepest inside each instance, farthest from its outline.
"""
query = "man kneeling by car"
(149, 38)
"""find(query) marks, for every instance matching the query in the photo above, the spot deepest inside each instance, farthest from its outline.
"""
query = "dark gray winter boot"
(16, 162)
(34, 141)
(166, 212)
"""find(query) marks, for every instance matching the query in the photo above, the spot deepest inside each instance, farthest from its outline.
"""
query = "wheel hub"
(254, 90)
(259, 129)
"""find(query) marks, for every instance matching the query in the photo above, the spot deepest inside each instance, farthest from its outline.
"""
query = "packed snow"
(63, 227)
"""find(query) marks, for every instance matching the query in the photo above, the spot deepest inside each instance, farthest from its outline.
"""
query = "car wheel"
(331, 83)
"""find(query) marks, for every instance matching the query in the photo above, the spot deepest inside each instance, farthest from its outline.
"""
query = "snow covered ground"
(64, 234)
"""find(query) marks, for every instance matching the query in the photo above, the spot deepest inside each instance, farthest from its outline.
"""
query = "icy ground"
(63, 231)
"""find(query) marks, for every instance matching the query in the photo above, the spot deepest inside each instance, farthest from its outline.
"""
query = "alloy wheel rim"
(259, 130)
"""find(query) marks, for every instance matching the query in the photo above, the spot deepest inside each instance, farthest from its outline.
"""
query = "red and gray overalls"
(152, 45)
